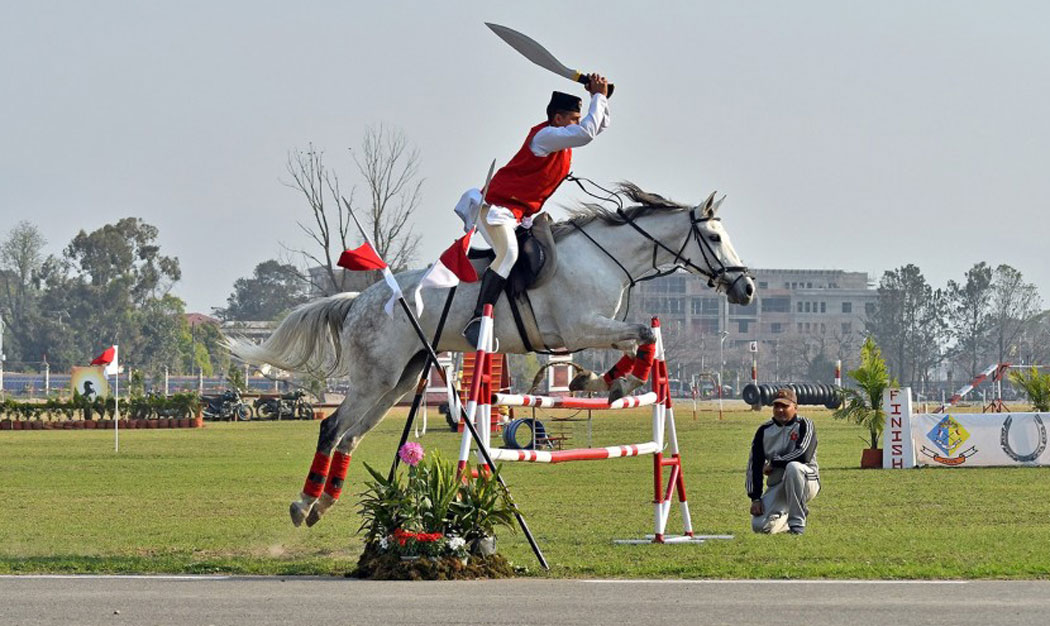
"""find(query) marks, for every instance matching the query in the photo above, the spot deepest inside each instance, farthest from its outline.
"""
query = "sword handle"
(584, 80)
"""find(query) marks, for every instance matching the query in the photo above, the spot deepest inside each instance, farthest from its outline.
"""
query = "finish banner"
(970, 439)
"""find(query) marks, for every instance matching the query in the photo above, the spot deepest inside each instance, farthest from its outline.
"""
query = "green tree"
(270, 292)
(863, 405)
(908, 320)
(970, 315)
(111, 287)
(1014, 304)
(21, 262)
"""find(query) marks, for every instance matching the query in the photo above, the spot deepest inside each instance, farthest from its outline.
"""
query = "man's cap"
(565, 102)
(785, 396)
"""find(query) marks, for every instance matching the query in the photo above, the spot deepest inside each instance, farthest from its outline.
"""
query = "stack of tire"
(807, 393)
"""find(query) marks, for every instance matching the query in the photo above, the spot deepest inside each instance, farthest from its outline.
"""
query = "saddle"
(536, 264)
(537, 257)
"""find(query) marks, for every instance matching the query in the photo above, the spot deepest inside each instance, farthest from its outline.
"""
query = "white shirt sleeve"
(551, 139)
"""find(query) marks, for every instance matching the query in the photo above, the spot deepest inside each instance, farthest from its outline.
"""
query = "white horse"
(601, 253)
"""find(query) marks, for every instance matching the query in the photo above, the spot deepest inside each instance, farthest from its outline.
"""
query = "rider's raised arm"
(553, 139)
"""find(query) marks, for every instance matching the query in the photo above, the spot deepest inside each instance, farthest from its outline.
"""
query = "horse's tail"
(307, 340)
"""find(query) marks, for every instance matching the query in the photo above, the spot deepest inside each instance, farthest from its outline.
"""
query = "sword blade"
(532, 51)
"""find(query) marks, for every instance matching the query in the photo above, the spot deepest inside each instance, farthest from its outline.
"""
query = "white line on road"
(782, 582)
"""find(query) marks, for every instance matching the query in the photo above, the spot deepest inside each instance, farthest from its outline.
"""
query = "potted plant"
(427, 522)
(863, 404)
(1035, 385)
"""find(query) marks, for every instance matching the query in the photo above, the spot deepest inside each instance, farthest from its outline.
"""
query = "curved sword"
(539, 55)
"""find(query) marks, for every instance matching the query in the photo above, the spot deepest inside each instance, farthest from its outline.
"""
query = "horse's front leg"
(630, 372)
(602, 332)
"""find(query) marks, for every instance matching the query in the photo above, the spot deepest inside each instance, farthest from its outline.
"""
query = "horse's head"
(724, 269)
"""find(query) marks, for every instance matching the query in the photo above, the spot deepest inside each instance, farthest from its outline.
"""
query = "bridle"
(715, 270)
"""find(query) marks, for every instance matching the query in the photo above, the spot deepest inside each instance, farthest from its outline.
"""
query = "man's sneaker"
(797, 530)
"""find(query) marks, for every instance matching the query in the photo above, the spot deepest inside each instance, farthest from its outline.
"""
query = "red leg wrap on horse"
(643, 361)
(620, 369)
(318, 472)
(339, 467)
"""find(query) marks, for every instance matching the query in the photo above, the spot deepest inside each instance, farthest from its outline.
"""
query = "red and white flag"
(364, 258)
(451, 268)
(109, 359)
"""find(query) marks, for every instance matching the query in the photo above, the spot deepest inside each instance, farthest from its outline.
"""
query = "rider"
(519, 189)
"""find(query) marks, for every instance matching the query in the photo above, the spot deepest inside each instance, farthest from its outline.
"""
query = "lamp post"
(721, 365)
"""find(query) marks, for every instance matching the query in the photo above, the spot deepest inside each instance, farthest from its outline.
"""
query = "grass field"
(215, 500)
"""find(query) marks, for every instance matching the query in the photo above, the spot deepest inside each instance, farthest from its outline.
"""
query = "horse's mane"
(589, 212)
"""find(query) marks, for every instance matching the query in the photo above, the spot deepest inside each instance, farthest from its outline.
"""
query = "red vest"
(524, 184)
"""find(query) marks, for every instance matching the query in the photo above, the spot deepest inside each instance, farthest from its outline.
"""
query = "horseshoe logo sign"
(1004, 441)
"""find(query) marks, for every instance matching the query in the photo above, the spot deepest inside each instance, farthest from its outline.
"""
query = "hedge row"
(179, 405)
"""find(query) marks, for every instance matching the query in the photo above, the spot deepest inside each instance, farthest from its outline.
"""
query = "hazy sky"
(850, 135)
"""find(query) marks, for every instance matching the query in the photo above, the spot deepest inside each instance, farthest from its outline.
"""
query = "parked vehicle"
(286, 406)
(226, 406)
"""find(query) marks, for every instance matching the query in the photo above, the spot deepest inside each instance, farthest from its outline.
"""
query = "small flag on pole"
(109, 359)
(365, 258)
(451, 268)
(361, 259)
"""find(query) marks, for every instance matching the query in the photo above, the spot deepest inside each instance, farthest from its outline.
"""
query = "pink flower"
(411, 453)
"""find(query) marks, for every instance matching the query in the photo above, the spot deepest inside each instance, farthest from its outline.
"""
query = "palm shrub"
(863, 403)
(1035, 385)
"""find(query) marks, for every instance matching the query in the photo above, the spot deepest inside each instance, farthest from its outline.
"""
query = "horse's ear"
(707, 207)
(717, 205)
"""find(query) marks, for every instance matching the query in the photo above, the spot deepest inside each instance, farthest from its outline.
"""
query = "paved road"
(126, 601)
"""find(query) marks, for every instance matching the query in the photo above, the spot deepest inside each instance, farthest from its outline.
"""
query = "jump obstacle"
(482, 398)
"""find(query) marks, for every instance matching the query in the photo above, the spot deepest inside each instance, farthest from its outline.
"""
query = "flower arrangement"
(429, 513)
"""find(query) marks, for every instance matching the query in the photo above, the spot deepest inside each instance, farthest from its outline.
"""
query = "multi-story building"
(797, 318)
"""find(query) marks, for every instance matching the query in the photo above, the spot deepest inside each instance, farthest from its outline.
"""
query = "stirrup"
(471, 331)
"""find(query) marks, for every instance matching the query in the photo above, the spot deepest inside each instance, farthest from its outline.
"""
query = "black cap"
(565, 102)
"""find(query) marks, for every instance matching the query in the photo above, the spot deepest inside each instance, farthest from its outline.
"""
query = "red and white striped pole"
(838, 373)
(481, 371)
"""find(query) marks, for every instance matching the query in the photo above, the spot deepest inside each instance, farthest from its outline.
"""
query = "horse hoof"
(298, 513)
(624, 387)
(588, 381)
(312, 518)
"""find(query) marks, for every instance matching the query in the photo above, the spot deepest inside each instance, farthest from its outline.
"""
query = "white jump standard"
(664, 435)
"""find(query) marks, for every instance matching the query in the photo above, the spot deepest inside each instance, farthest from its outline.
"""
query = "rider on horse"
(519, 189)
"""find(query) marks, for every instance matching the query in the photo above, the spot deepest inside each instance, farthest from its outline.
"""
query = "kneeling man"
(785, 450)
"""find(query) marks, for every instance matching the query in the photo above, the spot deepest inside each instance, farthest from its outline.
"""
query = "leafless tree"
(320, 187)
(388, 166)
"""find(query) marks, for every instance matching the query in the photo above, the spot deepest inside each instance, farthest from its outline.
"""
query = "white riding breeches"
(497, 226)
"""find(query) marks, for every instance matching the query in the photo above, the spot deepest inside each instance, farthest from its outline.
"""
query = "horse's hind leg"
(347, 435)
(322, 463)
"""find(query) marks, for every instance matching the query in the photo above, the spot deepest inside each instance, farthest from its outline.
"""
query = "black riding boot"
(491, 286)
